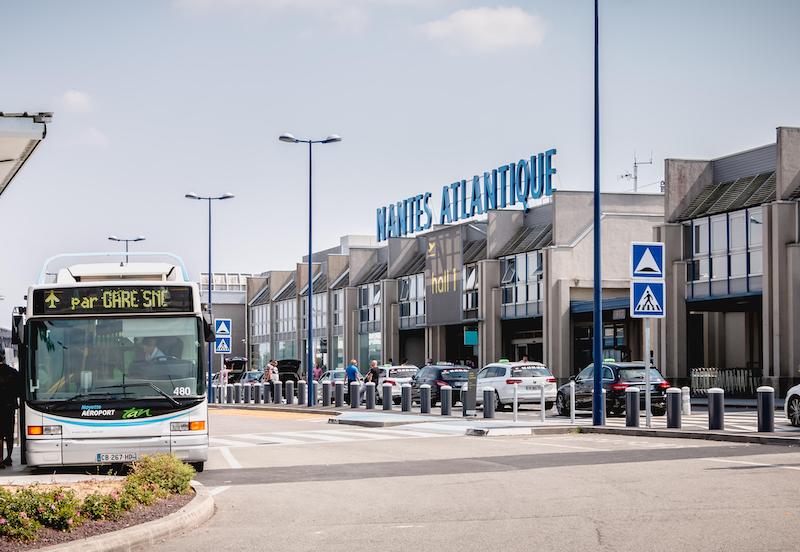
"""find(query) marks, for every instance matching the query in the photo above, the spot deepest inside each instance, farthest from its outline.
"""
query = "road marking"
(267, 438)
(318, 435)
(762, 464)
(217, 490)
(216, 441)
(534, 442)
(360, 434)
(405, 432)
(232, 462)
(305, 416)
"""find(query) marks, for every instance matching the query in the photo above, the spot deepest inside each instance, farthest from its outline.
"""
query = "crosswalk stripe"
(358, 433)
(224, 442)
(403, 432)
(268, 438)
(318, 435)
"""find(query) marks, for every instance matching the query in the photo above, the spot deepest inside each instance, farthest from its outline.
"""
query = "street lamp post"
(597, 399)
(127, 241)
(289, 138)
(210, 277)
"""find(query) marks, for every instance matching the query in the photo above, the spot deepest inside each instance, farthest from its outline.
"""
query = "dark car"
(617, 377)
(289, 369)
(237, 367)
(437, 376)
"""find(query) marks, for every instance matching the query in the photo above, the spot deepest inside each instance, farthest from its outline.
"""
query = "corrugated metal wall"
(747, 163)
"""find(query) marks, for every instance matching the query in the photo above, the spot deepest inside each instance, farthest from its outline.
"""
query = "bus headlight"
(187, 426)
(44, 430)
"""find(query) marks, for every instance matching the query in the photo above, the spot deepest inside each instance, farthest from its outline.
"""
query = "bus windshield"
(117, 357)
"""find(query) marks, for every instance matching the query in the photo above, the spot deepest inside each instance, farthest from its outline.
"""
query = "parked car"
(791, 406)
(529, 377)
(437, 376)
(252, 376)
(617, 377)
(396, 376)
(289, 369)
(237, 366)
(332, 376)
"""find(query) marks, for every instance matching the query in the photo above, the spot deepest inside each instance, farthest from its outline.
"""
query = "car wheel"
(498, 405)
(658, 411)
(548, 406)
(396, 400)
(794, 410)
(561, 405)
(198, 466)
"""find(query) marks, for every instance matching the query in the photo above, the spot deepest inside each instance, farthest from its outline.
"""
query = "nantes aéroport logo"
(136, 413)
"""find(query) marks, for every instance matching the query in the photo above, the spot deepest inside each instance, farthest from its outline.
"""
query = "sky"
(155, 99)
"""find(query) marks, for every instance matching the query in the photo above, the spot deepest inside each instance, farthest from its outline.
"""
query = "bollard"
(488, 402)
(632, 406)
(268, 392)
(355, 387)
(674, 401)
(464, 390)
(603, 410)
(515, 401)
(257, 393)
(289, 391)
(766, 409)
(542, 404)
(229, 399)
(302, 392)
(277, 392)
(326, 393)
(246, 393)
(716, 409)
(370, 386)
(339, 394)
(572, 402)
(686, 401)
(405, 397)
(424, 399)
(316, 392)
(387, 396)
(446, 399)
(237, 393)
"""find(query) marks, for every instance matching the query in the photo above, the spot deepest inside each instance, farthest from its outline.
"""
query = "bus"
(112, 364)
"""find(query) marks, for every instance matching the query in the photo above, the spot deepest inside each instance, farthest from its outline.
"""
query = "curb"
(199, 510)
(756, 439)
(275, 408)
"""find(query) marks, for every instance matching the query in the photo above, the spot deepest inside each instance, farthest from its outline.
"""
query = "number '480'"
(182, 391)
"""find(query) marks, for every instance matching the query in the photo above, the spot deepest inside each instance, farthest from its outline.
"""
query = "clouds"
(77, 101)
(486, 30)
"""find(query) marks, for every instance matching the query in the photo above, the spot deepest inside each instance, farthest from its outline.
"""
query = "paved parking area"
(379, 490)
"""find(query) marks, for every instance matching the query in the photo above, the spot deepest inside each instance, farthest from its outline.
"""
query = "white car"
(397, 376)
(529, 377)
(791, 406)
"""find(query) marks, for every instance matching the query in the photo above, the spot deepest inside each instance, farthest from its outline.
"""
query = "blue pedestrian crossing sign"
(222, 326)
(647, 299)
(647, 260)
(222, 345)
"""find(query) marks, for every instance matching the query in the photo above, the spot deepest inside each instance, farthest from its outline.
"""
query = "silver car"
(396, 376)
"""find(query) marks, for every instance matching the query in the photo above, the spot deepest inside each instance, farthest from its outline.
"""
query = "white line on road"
(318, 435)
(570, 447)
(752, 463)
(216, 442)
(218, 490)
(269, 438)
(232, 462)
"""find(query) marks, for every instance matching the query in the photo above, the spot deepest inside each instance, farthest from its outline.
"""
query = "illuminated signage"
(502, 187)
(112, 300)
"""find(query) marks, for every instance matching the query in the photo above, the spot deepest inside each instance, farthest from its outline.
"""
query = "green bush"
(26, 511)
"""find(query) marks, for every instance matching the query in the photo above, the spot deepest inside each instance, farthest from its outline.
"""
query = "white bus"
(111, 359)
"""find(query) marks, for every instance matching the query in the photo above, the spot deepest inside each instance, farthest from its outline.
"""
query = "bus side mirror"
(208, 329)
(16, 327)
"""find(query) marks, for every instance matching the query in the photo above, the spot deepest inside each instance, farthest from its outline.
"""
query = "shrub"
(163, 470)
(15, 523)
(101, 506)
(56, 508)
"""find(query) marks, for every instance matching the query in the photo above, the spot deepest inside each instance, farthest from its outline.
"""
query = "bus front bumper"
(82, 452)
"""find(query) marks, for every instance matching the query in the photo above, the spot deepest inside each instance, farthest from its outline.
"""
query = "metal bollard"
(355, 389)
(464, 393)
(387, 396)
(246, 389)
(632, 406)
(229, 397)
(572, 402)
(326, 393)
(405, 397)
(370, 387)
(686, 401)
(542, 404)
(267, 392)
(674, 401)
(339, 394)
(316, 392)
(257, 393)
(289, 391)
(603, 410)
(237, 393)
(488, 402)
(446, 399)
(277, 392)
(716, 409)
(766, 409)
(424, 399)
(302, 392)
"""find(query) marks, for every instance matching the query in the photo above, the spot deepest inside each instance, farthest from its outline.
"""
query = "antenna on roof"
(635, 175)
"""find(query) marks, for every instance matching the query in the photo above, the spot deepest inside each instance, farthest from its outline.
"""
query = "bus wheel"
(198, 466)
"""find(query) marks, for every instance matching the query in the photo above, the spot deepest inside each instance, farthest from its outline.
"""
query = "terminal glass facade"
(411, 298)
(521, 285)
(260, 335)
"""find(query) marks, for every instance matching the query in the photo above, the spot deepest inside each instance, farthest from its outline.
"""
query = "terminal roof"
(748, 191)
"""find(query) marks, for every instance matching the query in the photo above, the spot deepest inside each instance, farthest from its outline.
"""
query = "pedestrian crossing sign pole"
(647, 298)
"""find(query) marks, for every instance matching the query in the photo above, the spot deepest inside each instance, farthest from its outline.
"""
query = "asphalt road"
(285, 481)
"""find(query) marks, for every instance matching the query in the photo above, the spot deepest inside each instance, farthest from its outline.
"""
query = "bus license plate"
(117, 457)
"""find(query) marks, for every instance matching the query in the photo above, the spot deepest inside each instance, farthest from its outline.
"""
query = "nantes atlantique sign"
(503, 187)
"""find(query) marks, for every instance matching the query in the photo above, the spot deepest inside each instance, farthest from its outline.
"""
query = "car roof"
(635, 364)
(519, 364)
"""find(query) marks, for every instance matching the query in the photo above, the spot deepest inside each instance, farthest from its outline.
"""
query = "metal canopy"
(20, 133)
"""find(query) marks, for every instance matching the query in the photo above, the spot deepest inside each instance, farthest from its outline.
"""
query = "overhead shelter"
(20, 134)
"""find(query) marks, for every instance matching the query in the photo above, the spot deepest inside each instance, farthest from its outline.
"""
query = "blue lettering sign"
(426, 206)
(475, 207)
(444, 212)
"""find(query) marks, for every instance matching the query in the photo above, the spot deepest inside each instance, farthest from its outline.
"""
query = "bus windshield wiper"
(143, 384)
(89, 394)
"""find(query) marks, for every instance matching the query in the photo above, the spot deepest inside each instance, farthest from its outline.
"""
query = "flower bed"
(26, 512)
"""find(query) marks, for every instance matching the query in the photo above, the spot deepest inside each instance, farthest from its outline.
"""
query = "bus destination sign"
(112, 300)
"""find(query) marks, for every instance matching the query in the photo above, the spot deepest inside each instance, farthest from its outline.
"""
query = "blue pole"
(597, 400)
(309, 345)
(210, 280)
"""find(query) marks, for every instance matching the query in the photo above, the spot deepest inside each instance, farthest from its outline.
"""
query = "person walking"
(317, 373)
(351, 374)
(372, 376)
(9, 395)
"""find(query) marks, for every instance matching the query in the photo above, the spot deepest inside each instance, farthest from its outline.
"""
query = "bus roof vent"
(159, 267)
